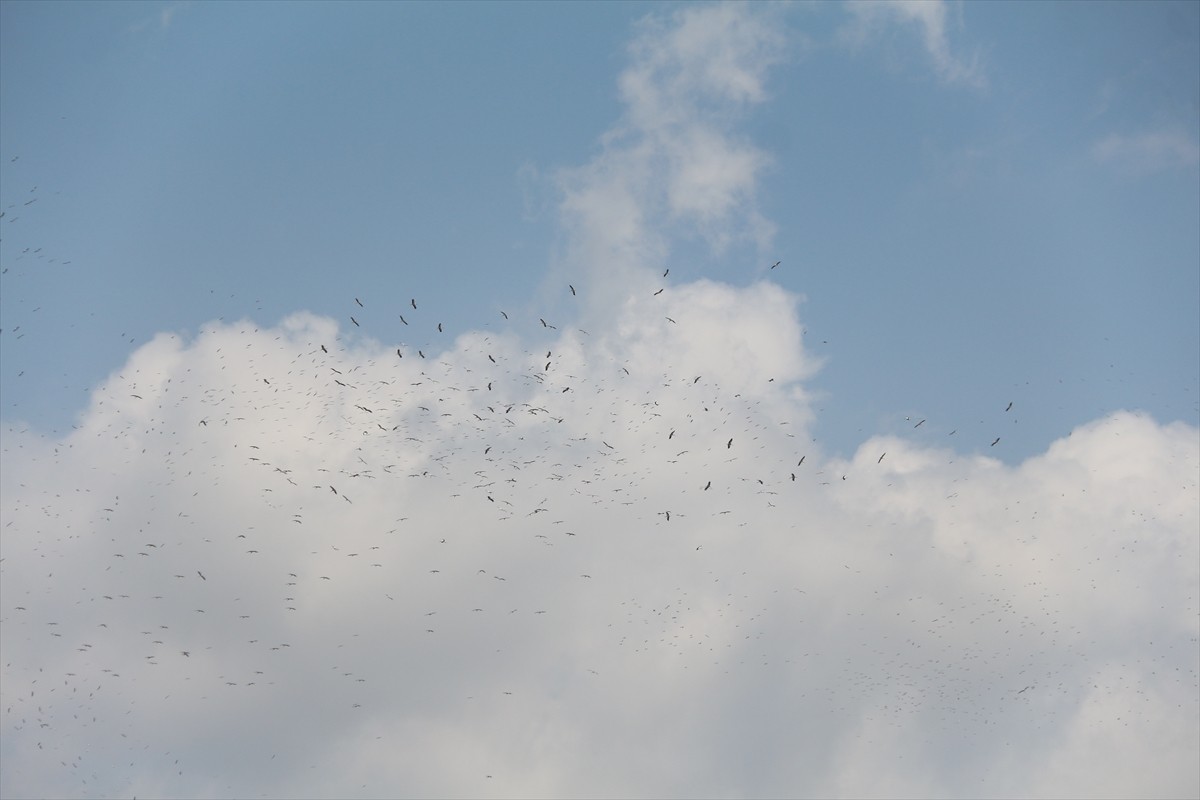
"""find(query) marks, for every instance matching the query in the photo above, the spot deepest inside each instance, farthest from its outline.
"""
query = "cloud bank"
(293, 560)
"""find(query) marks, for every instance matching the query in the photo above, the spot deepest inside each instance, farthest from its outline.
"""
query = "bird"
(352, 319)
(707, 485)
(729, 444)
(201, 574)
(360, 305)
(414, 303)
(660, 291)
(993, 444)
(572, 288)
(1009, 406)
(402, 319)
(881, 458)
(439, 327)
(776, 264)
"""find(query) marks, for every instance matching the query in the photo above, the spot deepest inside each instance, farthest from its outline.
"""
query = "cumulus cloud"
(295, 560)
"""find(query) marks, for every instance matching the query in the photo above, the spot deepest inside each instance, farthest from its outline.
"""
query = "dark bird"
(656, 294)
(414, 304)
(801, 461)
(439, 327)
(668, 269)
(491, 359)
(729, 444)
(544, 325)
(360, 305)
(399, 353)
(881, 458)
(1010, 409)
(776, 264)
(186, 653)
(504, 315)
(919, 424)
(421, 354)
(402, 319)
(993, 444)
(201, 574)
(572, 288)
(707, 485)
(352, 319)
(323, 350)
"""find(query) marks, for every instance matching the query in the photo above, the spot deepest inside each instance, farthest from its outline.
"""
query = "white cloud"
(930, 18)
(1152, 151)
(673, 163)
(862, 636)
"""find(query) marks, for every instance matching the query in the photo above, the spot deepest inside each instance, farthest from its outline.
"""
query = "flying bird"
(993, 444)
(572, 288)
(352, 319)
(1009, 407)
(201, 574)
(776, 264)
(881, 458)
(360, 305)
(414, 304)
(729, 444)
(402, 319)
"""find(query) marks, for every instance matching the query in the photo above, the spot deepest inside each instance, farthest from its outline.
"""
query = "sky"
(599, 400)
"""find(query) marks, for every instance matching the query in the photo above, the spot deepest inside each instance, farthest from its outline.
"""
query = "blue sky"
(972, 206)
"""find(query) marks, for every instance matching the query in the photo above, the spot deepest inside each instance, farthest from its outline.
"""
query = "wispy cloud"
(674, 164)
(162, 20)
(931, 19)
(1152, 151)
